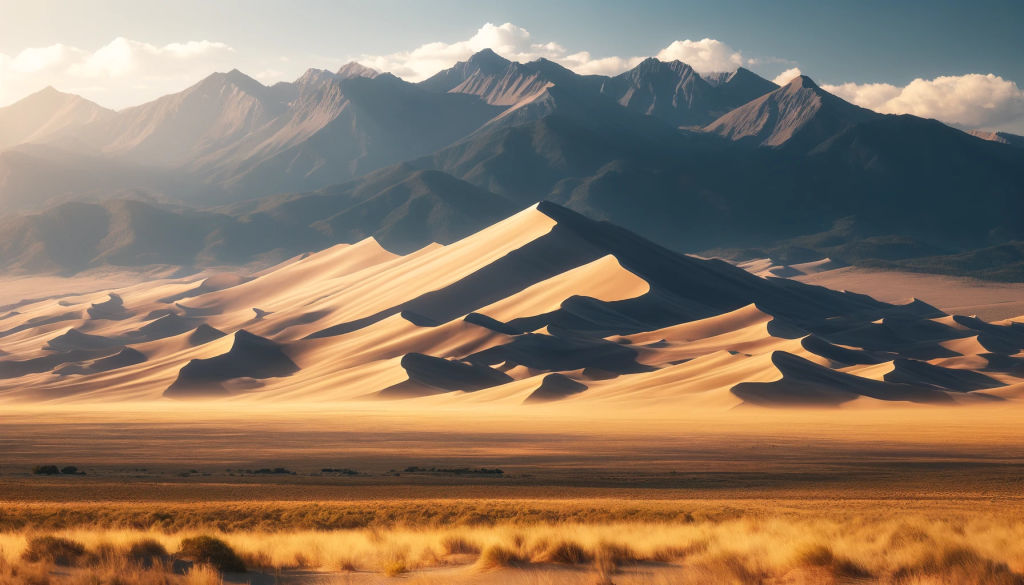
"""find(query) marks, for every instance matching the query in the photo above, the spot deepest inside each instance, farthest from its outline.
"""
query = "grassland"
(785, 498)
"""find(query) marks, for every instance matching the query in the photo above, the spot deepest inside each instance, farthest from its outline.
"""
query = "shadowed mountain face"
(671, 91)
(546, 309)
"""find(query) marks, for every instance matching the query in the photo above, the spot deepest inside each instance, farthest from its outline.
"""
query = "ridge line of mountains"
(232, 172)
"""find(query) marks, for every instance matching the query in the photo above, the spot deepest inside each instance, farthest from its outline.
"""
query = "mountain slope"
(176, 128)
(800, 115)
(404, 208)
(34, 177)
(44, 114)
(671, 91)
(341, 130)
(1001, 137)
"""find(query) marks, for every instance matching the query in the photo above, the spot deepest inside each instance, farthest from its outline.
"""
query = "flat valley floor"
(724, 480)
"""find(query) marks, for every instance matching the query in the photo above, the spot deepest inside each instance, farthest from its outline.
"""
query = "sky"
(955, 61)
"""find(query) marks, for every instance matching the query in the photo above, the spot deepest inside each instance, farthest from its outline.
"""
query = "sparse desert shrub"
(496, 556)
(823, 556)
(962, 566)
(147, 548)
(53, 549)
(611, 555)
(395, 567)
(565, 552)
(45, 470)
(69, 470)
(212, 551)
(457, 545)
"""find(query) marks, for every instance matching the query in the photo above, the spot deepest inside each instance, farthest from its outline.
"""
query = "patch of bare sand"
(990, 301)
(15, 289)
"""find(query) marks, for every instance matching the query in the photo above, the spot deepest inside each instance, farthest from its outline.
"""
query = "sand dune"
(545, 310)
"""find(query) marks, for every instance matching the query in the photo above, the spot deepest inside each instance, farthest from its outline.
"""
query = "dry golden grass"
(841, 546)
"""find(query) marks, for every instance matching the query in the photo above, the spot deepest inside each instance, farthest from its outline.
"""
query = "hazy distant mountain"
(1001, 137)
(34, 176)
(177, 128)
(403, 207)
(343, 129)
(493, 78)
(45, 113)
(801, 114)
(312, 79)
(353, 69)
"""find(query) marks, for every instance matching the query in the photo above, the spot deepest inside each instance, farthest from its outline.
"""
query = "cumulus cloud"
(971, 101)
(123, 72)
(517, 44)
(787, 76)
(704, 56)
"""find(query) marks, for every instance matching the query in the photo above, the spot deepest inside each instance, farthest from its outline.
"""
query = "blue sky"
(867, 42)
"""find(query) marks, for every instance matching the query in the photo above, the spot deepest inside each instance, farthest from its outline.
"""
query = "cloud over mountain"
(517, 44)
(972, 101)
(787, 76)
(124, 71)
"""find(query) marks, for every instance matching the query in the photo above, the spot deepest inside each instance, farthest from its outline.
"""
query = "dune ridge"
(544, 310)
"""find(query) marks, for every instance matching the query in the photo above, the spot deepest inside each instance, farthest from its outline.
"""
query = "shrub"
(69, 470)
(45, 470)
(613, 555)
(211, 551)
(146, 548)
(54, 549)
(457, 545)
(396, 567)
(496, 556)
(565, 553)
(820, 555)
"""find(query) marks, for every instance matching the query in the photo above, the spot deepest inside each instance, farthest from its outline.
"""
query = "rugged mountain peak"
(800, 114)
(485, 62)
(353, 69)
(46, 115)
(489, 60)
(669, 90)
(802, 82)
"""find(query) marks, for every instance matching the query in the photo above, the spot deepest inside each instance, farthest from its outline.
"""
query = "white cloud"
(704, 55)
(515, 43)
(971, 101)
(113, 72)
(787, 76)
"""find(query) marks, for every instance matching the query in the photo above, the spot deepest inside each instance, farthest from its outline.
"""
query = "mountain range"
(724, 162)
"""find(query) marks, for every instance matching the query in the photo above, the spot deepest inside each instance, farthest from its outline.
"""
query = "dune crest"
(545, 310)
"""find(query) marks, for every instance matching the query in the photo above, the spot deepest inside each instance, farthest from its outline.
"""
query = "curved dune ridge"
(545, 310)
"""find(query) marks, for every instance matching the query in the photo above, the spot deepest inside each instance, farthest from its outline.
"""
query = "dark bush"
(146, 548)
(212, 551)
(55, 549)
(45, 470)
(69, 470)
